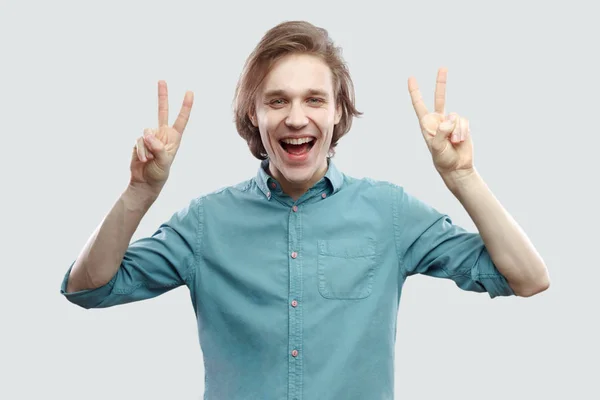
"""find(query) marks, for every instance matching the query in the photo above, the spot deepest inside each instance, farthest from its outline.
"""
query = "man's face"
(296, 114)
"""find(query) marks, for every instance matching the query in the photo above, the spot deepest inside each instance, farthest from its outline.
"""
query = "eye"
(315, 100)
(276, 102)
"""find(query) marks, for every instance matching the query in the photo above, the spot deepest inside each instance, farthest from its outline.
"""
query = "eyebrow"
(280, 92)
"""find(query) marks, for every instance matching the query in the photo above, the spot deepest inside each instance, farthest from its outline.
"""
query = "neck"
(297, 189)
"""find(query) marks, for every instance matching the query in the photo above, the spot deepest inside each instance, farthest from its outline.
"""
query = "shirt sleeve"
(429, 243)
(151, 265)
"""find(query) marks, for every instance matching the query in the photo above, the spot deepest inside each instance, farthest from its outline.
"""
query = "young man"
(296, 274)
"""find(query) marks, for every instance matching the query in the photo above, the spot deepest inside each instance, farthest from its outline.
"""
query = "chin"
(299, 174)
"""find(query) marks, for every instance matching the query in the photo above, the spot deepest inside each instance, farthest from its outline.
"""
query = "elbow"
(532, 291)
(534, 287)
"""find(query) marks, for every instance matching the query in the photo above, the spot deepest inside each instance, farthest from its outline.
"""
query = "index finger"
(163, 104)
(416, 98)
(440, 91)
(184, 114)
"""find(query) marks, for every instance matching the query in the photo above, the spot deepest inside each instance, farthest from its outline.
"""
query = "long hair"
(291, 37)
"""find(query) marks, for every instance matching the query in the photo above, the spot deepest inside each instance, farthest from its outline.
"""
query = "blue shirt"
(298, 299)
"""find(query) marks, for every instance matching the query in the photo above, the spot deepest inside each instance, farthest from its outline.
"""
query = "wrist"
(139, 198)
(462, 181)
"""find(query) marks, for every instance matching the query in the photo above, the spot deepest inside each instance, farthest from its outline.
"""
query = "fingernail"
(452, 117)
(454, 137)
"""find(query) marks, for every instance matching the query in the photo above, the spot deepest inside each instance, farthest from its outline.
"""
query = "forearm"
(101, 257)
(509, 247)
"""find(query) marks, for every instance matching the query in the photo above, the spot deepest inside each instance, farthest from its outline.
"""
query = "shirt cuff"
(87, 298)
(490, 278)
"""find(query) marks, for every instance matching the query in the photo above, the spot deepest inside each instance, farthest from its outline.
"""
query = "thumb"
(444, 130)
(157, 148)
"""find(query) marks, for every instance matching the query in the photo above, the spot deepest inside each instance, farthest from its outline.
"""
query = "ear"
(252, 117)
(338, 114)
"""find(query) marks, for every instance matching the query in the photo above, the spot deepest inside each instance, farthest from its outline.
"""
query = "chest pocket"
(346, 268)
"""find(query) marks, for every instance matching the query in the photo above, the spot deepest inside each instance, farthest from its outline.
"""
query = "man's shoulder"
(371, 188)
(235, 188)
(370, 184)
(217, 200)
(223, 192)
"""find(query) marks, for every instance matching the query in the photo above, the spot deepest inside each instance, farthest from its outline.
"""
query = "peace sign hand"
(448, 137)
(154, 152)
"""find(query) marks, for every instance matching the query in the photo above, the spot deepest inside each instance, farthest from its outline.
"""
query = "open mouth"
(297, 147)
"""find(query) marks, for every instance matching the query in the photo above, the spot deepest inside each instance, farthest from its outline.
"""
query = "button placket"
(295, 293)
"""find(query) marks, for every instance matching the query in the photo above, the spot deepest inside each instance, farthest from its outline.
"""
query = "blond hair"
(291, 37)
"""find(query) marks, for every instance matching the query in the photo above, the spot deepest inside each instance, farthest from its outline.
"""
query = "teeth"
(297, 141)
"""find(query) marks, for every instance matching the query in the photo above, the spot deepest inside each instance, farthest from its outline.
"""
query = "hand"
(155, 151)
(448, 137)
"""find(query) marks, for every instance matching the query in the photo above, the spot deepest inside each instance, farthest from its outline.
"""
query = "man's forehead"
(298, 74)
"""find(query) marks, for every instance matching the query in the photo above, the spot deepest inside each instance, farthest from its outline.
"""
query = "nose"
(296, 118)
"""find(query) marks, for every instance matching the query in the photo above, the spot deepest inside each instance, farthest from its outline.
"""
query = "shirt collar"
(264, 180)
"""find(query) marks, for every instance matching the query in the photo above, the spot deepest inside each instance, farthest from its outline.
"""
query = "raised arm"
(151, 161)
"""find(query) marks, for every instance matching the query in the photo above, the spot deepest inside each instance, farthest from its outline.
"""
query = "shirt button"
(268, 195)
(295, 353)
(295, 208)
(294, 254)
(273, 185)
(323, 195)
(294, 303)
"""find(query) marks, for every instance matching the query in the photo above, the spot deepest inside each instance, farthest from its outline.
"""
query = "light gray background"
(79, 85)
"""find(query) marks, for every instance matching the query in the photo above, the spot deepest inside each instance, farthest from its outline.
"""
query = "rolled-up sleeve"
(151, 265)
(429, 243)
